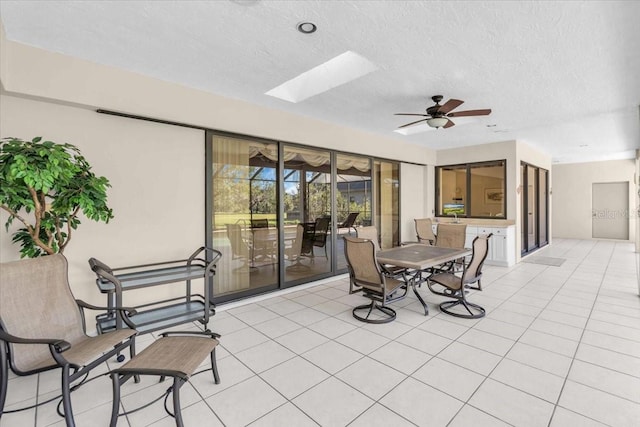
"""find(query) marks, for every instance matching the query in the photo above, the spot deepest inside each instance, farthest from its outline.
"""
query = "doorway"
(535, 212)
(609, 210)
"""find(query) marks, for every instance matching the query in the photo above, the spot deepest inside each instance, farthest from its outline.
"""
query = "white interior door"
(610, 210)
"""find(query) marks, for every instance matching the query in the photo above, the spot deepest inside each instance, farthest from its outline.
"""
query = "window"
(473, 190)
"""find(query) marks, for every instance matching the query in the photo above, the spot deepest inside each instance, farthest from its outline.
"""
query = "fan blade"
(450, 105)
(412, 123)
(470, 113)
(449, 124)
(411, 114)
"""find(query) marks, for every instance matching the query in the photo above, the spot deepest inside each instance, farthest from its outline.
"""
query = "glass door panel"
(542, 204)
(535, 212)
(307, 202)
(244, 216)
(387, 203)
(523, 209)
(353, 199)
(532, 208)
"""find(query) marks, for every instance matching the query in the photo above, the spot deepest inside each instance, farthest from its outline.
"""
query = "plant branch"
(35, 230)
(14, 214)
(69, 220)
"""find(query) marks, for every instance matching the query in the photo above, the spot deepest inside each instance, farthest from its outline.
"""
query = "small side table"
(175, 354)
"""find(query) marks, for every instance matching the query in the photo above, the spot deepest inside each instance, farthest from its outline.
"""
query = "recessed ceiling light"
(307, 27)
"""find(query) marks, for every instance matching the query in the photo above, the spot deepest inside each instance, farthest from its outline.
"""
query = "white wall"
(157, 171)
(572, 186)
(157, 194)
(637, 205)
(413, 190)
(486, 152)
(60, 78)
(514, 152)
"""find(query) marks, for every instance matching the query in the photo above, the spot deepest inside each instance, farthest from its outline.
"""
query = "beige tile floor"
(560, 346)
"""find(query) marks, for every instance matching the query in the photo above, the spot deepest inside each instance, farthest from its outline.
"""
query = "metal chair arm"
(57, 344)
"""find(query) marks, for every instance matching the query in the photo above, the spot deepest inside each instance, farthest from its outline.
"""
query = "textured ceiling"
(558, 75)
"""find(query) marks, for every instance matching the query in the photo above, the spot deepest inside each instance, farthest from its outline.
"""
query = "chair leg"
(388, 312)
(66, 397)
(214, 367)
(132, 353)
(177, 383)
(4, 376)
(115, 406)
(475, 288)
(475, 311)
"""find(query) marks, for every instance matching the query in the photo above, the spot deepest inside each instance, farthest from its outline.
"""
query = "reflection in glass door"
(244, 216)
(307, 214)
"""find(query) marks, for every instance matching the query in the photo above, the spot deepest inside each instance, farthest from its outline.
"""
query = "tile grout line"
(580, 341)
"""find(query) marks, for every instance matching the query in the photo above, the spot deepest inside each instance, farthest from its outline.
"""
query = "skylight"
(337, 71)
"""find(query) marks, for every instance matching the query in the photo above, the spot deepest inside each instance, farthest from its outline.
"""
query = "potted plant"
(45, 186)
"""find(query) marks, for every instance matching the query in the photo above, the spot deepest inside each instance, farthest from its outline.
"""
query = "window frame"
(467, 201)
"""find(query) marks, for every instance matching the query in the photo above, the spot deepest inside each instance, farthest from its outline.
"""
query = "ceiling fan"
(438, 115)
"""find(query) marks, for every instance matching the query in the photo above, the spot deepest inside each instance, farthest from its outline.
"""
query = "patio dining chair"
(42, 327)
(454, 285)
(293, 253)
(349, 222)
(451, 236)
(320, 234)
(371, 233)
(424, 231)
(239, 247)
(365, 275)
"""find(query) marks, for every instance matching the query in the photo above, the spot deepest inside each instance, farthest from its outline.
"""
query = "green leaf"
(59, 174)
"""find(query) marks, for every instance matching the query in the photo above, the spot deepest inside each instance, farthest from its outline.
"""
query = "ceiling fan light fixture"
(437, 122)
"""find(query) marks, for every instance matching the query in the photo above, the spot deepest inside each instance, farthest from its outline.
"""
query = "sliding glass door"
(244, 216)
(535, 214)
(279, 212)
(353, 200)
(307, 204)
(387, 202)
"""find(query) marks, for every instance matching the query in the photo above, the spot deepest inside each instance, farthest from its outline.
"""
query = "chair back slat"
(451, 235)
(238, 247)
(473, 271)
(321, 231)
(351, 219)
(296, 245)
(37, 302)
(361, 261)
(424, 231)
(369, 233)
